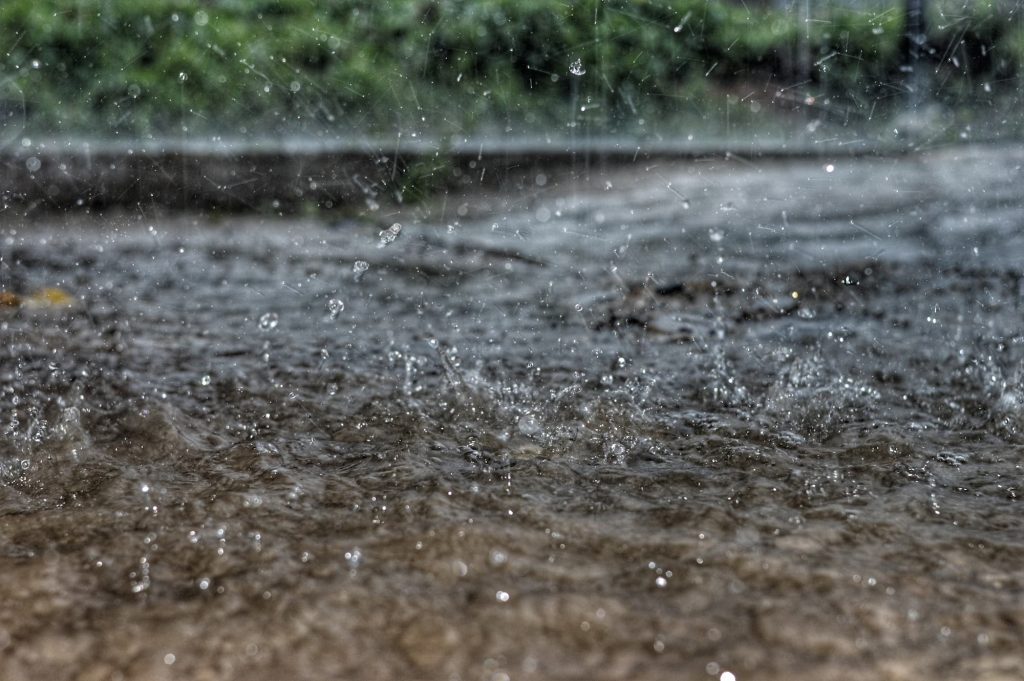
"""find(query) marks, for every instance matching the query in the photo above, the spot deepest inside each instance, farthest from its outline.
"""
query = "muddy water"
(684, 421)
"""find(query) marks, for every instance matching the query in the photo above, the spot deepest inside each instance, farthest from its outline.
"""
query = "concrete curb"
(289, 174)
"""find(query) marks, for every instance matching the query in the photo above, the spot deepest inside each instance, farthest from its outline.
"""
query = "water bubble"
(498, 557)
(529, 426)
(661, 582)
(202, 18)
(502, 596)
(182, 76)
(205, 380)
(354, 558)
(269, 321)
(576, 68)
(33, 164)
(335, 307)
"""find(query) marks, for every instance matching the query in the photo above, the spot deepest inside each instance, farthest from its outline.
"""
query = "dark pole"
(914, 45)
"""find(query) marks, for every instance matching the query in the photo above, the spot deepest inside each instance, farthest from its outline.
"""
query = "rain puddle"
(723, 420)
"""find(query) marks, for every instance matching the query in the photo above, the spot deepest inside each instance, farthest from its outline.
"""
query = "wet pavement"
(707, 420)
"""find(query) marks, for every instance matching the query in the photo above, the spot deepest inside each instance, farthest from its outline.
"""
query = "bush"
(103, 67)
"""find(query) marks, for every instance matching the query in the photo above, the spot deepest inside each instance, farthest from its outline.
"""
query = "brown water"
(686, 421)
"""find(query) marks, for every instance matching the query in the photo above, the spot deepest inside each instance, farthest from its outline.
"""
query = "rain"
(490, 340)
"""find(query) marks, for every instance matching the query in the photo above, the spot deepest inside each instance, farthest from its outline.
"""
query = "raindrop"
(359, 267)
(33, 164)
(205, 380)
(335, 307)
(576, 68)
(502, 596)
(268, 322)
(388, 235)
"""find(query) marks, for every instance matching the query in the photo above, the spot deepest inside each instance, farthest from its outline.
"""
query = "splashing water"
(549, 453)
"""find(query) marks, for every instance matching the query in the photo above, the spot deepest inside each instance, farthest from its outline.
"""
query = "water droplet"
(359, 267)
(502, 596)
(205, 380)
(716, 235)
(33, 164)
(661, 582)
(269, 321)
(388, 235)
(577, 68)
(354, 558)
(182, 76)
(335, 307)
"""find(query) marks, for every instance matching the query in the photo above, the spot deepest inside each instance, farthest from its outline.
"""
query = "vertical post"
(914, 43)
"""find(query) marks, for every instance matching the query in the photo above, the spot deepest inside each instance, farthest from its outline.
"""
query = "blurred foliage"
(168, 67)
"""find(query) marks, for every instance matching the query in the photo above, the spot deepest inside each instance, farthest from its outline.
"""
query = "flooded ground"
(720, 420)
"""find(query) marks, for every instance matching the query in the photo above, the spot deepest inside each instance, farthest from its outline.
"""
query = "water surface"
(681, 421)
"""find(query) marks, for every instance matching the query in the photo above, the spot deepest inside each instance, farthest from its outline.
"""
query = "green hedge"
(236, 66)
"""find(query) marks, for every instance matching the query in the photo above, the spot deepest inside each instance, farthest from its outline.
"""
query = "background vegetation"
(448, 67)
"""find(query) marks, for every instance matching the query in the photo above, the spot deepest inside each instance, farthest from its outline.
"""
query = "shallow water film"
(717, 420)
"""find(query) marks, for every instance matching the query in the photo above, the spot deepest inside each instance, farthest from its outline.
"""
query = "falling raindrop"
(389, 235)
(269, 321)
(335, 307)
